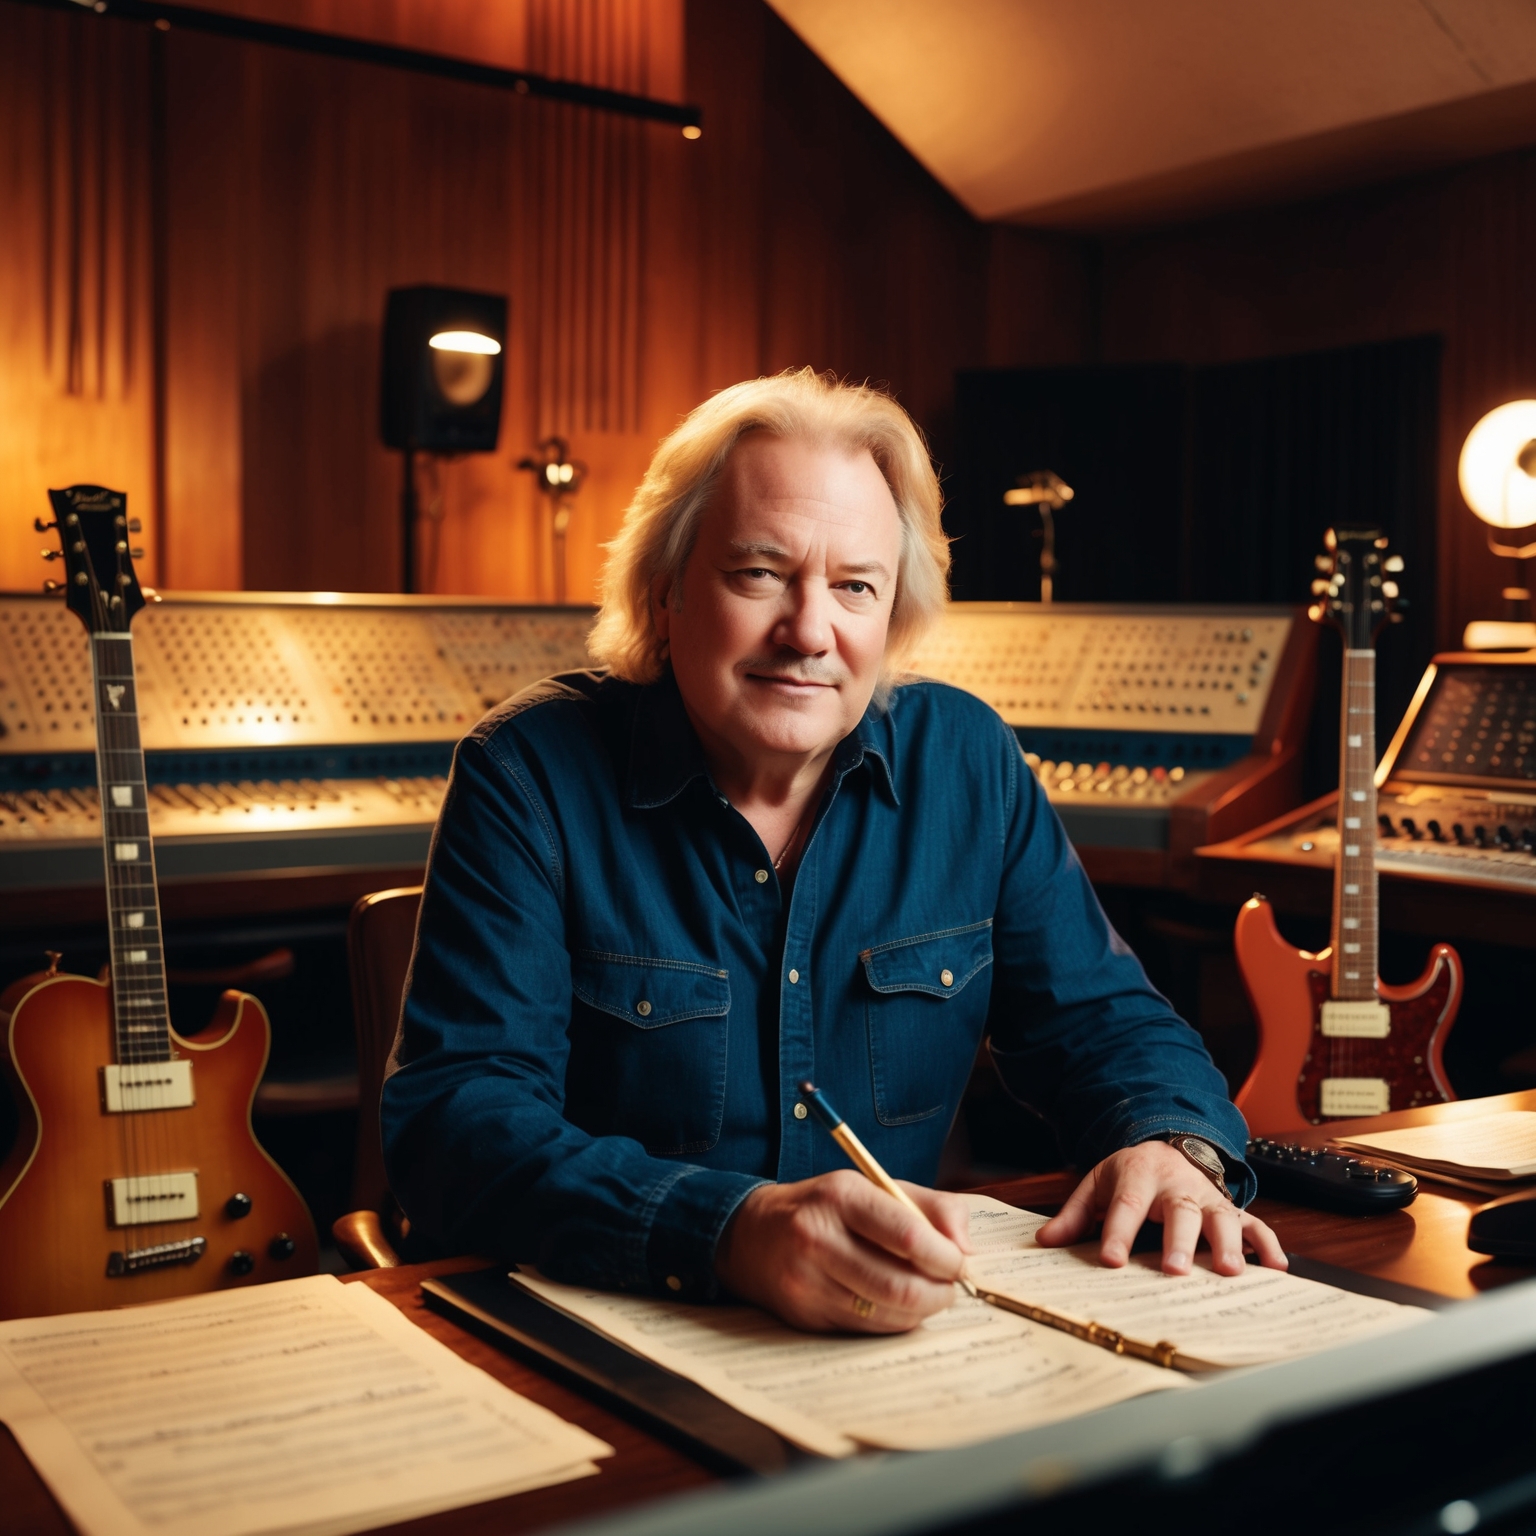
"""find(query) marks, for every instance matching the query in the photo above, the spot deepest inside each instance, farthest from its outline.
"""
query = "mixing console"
(1456, 791)
(1130, 714)
(289, 731)
(281, 731)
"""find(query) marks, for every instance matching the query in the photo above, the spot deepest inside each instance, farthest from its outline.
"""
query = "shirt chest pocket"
(648, 1050)
(925, 1008)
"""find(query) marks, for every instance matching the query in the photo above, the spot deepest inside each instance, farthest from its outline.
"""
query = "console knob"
(236, 1206)
(1505, 836)
(1387, 829)
(1410, 826)
(1480, 835)
(1459, 832)
(281, 1246)
(1434, 831)
(241, 1262)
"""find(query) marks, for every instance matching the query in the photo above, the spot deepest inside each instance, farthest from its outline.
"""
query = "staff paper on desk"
(1259, 1316)
(968, 1374)
(305, 1406)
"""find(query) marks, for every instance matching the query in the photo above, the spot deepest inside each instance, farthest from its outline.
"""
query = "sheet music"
(968, 1374)
(1258, 1316)
(1501, 1145)
(302, 1406)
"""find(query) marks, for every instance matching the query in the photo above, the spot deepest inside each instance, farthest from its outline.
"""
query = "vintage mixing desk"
(1153, 729)
(1456, 803)
(297, 744)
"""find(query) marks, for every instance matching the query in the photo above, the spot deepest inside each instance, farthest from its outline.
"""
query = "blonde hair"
(661, 523)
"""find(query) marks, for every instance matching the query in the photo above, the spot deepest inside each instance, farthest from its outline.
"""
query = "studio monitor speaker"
(443, 363)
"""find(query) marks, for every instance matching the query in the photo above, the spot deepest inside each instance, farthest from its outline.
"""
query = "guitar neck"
(142, 1019)
(1354, 887)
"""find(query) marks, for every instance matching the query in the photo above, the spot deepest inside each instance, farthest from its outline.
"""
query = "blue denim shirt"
(613, 997)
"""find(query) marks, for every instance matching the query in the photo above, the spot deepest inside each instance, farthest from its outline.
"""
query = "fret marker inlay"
(125, 853)
(122, 796)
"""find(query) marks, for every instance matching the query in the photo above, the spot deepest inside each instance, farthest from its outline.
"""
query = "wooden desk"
(1424, 1245)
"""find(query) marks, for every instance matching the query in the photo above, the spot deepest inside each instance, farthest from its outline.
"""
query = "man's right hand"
(835, 1253)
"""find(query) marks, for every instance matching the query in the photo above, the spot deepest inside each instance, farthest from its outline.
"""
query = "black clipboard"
(488, 1303)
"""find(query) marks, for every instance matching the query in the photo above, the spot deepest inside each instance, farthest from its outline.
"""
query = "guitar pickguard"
(1407, 1059)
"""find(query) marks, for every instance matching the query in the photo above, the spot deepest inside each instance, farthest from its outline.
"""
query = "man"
(749, 853)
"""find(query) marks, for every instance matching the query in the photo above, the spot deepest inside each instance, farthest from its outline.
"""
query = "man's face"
(779, 630)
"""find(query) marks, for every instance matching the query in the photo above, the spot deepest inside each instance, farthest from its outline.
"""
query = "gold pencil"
(1161, 1353)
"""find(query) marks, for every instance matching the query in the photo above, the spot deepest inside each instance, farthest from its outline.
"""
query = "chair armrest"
(361, 1241)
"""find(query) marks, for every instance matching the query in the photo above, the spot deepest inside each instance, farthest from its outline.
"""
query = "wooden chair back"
(381, 936)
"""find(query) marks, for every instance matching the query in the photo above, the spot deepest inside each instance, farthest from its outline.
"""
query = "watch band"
(1204, 1156)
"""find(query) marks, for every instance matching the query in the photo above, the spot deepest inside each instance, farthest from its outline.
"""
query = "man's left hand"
(1153, 1182)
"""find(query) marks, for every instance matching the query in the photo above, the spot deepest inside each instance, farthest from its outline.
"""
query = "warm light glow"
(693, 131)
(465, 341)
(1498, 466)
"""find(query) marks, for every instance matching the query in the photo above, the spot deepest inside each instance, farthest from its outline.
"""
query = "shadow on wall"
(309, 419)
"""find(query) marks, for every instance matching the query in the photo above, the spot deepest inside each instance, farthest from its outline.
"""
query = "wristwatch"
(1203, 1155)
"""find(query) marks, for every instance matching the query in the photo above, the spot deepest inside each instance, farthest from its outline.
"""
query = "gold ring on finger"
(863, 1306)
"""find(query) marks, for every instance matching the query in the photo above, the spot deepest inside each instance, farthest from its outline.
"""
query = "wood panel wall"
(199, 236)
(265, 200)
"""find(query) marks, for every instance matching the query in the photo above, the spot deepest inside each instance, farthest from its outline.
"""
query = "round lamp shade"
(1498, 466)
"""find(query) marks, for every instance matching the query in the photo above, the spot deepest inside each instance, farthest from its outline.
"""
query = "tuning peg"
(41, 526)
(1390, 588)
(1320, 586)
(53, 586)
(1393, 564)
(52, 554)
(1315, 612)
(135, 526)
(1324, 563)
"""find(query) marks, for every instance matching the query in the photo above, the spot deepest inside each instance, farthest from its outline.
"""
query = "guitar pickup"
(146, 1085)
(1351, 1097)
(186, 1251)
(151, 1198)
(1356, 1021)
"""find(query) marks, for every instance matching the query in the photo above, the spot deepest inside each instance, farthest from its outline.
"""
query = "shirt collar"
(666, 756)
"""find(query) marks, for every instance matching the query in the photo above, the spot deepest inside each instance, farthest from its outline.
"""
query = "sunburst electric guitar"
(135, 1173)
(1334, 1043)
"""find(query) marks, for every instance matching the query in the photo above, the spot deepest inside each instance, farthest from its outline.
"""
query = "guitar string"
(140, 998)
(128, 1131)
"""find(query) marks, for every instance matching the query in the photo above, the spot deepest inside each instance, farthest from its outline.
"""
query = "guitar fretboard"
(133, 907)
(1354, 889)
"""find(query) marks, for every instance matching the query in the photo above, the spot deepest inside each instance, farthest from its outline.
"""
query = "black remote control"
(1333, 1181)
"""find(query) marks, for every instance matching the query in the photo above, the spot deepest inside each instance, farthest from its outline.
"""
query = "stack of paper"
(1499, 1146)
(306, 1406)
(976, 1371)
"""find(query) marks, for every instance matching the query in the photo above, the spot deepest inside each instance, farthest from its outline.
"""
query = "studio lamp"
(442, 383)
(1497, 472)
(558, 477)
(1050, 493)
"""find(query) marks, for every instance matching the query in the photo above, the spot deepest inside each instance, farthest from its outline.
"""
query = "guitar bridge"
(186, 1251)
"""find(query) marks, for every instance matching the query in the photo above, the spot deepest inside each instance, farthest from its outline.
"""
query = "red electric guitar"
(1334, 1043)
(135, 1174)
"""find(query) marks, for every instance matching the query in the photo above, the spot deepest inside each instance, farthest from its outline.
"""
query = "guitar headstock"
(1356, 591)
(100, 586)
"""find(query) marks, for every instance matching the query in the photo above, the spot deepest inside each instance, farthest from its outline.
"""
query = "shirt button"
(947, 977)
(643, 1008)
(794, 977)
(673, 1283)
(801, 1111)
(761, 877)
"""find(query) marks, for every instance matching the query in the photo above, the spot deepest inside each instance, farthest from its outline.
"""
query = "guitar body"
(1287, 988)
(57, 1233)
